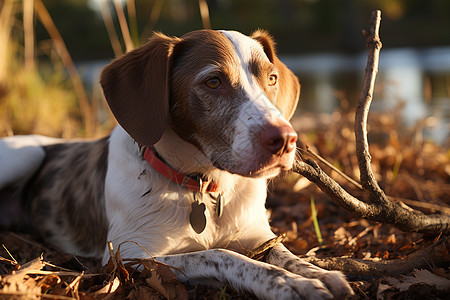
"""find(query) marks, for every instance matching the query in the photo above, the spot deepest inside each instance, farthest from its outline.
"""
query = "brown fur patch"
(289, 87)
(190, 115)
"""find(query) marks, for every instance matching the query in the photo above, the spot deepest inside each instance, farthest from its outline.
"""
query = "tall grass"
(49, 98)
(34, 104)
(31, 102)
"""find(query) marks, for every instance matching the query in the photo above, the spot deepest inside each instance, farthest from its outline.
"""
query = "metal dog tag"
(197, 216)
(219, 205)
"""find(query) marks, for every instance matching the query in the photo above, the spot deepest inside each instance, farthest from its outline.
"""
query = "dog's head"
(226, 93)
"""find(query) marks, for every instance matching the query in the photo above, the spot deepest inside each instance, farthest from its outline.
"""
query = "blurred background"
(52, 51)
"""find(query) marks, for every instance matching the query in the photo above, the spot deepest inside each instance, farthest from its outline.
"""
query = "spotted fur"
(79, 195)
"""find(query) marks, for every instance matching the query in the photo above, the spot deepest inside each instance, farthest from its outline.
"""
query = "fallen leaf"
(20, 283)
(420, 277)
(163, 280)
(109, 288)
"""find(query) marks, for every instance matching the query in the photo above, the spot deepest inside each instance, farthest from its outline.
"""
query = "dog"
(202, 125)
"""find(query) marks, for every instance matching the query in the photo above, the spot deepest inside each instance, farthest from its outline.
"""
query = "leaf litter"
(413, 171)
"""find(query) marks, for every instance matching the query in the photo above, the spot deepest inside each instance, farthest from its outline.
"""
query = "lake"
(419, 79)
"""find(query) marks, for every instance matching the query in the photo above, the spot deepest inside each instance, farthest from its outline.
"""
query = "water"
(418, 78)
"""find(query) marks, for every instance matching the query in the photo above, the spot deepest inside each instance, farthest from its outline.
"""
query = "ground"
(402, 265)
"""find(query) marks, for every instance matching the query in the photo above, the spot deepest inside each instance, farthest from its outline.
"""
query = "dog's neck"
(194, 182)
(188, 159)
(181, 155)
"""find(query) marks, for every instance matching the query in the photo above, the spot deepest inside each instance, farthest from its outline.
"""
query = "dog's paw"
(337, 284)
(307, 288)
(291, 286)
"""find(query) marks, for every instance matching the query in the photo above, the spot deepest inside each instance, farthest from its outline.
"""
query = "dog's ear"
(289, 87)
(136, 87)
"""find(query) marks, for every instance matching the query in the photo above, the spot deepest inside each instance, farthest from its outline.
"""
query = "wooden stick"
(367, 177)
(436, 254)
(380, 208)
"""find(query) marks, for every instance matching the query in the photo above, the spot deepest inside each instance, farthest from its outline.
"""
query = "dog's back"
(55, 181)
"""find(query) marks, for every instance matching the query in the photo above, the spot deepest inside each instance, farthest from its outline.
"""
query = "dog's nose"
(279, 139)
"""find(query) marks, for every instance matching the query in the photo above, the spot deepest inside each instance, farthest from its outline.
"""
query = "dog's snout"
(278, 139)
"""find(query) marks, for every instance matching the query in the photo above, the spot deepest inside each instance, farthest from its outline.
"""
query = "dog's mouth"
(268, 168)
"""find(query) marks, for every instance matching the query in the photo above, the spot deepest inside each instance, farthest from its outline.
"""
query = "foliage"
(34, 103)
(316, 25)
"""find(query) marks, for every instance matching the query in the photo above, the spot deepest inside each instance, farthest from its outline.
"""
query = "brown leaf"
(20, 283)
(110, 288)
(143, 292)
(164, 281)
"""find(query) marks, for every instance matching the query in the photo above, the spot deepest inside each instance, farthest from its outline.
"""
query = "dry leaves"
(423, 279)
(413, 170)
(115, 281)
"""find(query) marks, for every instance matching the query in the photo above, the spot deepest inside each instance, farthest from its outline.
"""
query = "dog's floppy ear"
(289, 87)
(136, 87)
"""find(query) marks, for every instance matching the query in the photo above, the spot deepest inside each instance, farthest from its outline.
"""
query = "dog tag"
(197, 217)
(219, 205)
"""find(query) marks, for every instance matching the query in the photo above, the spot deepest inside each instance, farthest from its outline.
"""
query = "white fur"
(258, 110)
(159, 222)
(21, 156)
(163, 214)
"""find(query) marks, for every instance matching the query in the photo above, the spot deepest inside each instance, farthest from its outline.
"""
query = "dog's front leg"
(244, 274)
(334, 280)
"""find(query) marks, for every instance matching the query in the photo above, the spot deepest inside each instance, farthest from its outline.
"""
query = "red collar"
(197, 184)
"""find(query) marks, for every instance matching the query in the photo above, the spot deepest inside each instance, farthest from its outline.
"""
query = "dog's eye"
(273, 79)
(213, 83)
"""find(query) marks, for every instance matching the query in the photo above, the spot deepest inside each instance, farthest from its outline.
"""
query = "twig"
(111, 254)
(360, 235)
(380, 207)
(12, 262)
(436, 254)
(10, 255)
(368, 180)
(331, 166)
(28, 241)
(259, 252)
(424, 205)
(420, 204)
(387, 212)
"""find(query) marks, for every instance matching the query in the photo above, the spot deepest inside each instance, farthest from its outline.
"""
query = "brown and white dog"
(203, 123)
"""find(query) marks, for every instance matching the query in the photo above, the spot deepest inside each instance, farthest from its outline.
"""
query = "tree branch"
(436, 254)
(380, 207)
(362, 110)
